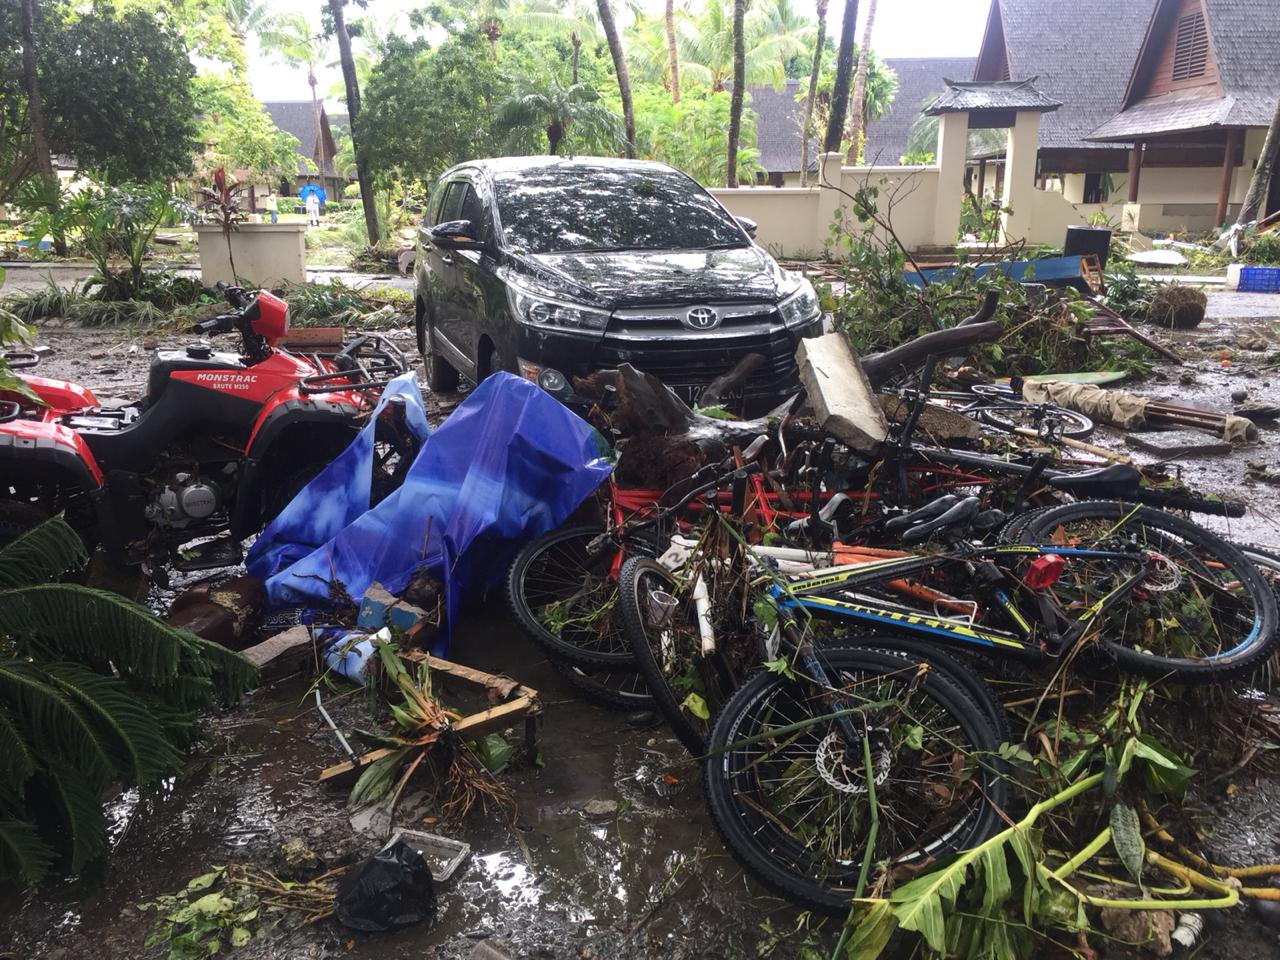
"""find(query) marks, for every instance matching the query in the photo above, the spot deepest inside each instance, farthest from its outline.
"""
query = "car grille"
(690, 361)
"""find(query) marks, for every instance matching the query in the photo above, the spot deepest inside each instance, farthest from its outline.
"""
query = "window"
(1097, 188)
(473, 209)
(1191, 48)
(452, 202)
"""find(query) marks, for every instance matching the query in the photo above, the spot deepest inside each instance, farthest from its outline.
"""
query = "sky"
(918, 28)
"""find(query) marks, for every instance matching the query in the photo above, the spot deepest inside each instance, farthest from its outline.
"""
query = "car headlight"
(801, 307)
(557, 314)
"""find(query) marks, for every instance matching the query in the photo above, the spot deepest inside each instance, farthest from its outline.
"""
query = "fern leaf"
(135, 739)
(23, 855)
(42, 554)
(84, 835)
(55, 728)
(231, 673)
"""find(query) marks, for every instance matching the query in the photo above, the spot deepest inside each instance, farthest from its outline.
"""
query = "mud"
(650, 881)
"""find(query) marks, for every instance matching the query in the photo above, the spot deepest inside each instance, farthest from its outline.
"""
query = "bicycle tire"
(1072, 424)
(1246, 603)
(679, 677)
(756, 833)
(602, 646)
(615, 690)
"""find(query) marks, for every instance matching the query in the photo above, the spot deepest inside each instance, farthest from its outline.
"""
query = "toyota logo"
(702, 318)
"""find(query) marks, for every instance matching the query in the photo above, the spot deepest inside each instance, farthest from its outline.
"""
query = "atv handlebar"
(238, 297)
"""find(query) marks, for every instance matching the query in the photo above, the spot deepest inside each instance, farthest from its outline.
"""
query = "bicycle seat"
(1113, 480)
(934, 508)
(959, 515)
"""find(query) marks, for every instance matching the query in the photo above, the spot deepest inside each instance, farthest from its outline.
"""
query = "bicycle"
(999, 407)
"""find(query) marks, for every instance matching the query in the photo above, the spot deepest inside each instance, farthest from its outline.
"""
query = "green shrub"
(1264, 250)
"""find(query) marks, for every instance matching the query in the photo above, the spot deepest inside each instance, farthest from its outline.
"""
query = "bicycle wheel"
(564, 598)
(617, 690)
(1204, 613)
(793, 803)
(1057, 421)
(660, 618)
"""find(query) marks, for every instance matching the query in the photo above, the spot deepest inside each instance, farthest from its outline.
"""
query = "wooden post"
(1228, 168)
(982, 178)
(1135, 169)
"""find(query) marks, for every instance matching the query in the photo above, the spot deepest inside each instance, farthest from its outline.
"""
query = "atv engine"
(183, 499)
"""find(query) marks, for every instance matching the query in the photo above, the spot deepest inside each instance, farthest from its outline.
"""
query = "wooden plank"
(478, 677)
(468, 728)
(283, 654)
(311, 337)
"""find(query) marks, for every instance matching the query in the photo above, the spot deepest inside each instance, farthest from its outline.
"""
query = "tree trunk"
(673, 62)
(31, 81)
(859, 126)
(577, 45)
(353, 114)
(736, 95)
(555, 133)
(620, 67)
(812, 96)
(315, 109)
(844, 73)
(1252, 208)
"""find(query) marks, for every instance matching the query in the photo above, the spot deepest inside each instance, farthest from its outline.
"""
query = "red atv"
(218, 446)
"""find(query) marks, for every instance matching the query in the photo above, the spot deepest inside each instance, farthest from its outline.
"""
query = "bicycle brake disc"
(840, 775)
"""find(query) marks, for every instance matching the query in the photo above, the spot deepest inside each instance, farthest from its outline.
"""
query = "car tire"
(441, 377)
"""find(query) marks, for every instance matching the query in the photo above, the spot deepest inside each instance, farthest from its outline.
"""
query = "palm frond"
(23, 855)
(89, 624)
(134, 738)
(55, 726)
(17, 763)
(84, 835)
(232, 675)
(44, 553)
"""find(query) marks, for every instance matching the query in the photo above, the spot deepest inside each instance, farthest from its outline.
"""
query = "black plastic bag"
(390, 890)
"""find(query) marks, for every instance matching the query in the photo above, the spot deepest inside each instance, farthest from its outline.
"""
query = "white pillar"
(1020, 176)
(953, 146)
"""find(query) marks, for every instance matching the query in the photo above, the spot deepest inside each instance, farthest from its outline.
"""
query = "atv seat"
(1114, 480)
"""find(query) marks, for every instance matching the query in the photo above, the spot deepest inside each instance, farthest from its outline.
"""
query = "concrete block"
(266, 254)
(840, 394)
(379, 609)
(1171, 444)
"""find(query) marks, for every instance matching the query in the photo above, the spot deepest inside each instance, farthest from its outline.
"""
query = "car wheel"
(441, 377)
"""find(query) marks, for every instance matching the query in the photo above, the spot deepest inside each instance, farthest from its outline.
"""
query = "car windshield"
(563, 209)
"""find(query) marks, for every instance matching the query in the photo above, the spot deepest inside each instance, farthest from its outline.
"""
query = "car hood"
(637, 277)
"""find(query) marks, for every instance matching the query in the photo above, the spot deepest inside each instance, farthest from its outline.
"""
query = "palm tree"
(620, 68)
(844, 69)
(94, 690)
(577, 20)
(673, 70)
(807, 130)
(291, 38)
(857, 129)
(708, 49)
(245, 17)
(739, 83)
(544, 104)
(793, 31)
(353, 112)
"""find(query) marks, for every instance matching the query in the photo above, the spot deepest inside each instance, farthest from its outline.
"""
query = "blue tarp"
(509, 464)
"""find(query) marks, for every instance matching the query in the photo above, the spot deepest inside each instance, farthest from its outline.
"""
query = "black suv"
(549, 266)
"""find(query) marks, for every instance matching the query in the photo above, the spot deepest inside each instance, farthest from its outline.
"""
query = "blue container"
(1259, 280)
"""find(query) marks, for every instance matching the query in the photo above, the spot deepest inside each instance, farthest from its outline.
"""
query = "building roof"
(1082, 53)
(1245, 39)
(966, 96)
(778, 118)
(920, 81)
(297, 117)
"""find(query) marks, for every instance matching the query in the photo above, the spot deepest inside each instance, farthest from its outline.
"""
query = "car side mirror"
(455, 235)
(749, 225)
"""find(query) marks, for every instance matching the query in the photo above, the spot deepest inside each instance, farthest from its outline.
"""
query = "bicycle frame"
(813, 591)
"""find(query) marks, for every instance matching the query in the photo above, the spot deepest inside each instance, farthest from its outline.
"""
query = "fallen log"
(726, 383)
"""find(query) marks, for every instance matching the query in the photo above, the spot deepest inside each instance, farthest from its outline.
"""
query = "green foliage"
(94, 690)
(1263, 250)
(543, 113)
(1126, 292)
(12, 330)
(213, 912)
(117, 90)
(116, 221)
(426, 109)
(237, 132)
(693, 135)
